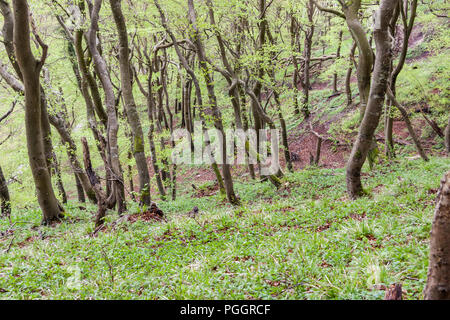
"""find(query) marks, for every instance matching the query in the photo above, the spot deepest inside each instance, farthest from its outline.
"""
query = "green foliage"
(308, 242)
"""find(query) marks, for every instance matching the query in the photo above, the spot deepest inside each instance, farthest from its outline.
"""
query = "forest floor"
(304, 241)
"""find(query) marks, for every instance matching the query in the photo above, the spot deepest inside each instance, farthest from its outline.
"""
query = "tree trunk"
(295, 78)
(80, 189)
(96, 185)
(407, 29)
(447, 138)
(228, 180)
(110, 100)
(57, 172)
(307, 60)
(130, 104)
(90, 110)
(413, 135)
(151, 133)
(4, 196)
(71, 149)
(372, 116)
(348, 77)
(365, 61)
(438, 282)
(30, 69)
(338, 55)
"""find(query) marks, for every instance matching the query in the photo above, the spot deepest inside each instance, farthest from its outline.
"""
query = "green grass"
(306, 241)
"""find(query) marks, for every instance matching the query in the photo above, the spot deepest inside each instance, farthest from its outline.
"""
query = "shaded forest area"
(96, 95)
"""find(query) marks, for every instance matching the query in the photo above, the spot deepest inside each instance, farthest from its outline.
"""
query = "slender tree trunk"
(59, 183)
(407, 30)
(71, 149)
(151, 105)
(348, 77)
(151, 135)
(447, 138)
(284, 135)
(80, 189)
(110, 101)
(228, 180)
(130, 104)
(338, 55)
(251, 166)
(371, 118)
(96, 185)
(276, 95)
(46, 132)
(4, 196)
(30, 69)
(244, 112)
(90, 112)
(438, 282)
(295, 78)
(307, 60)
(408, 124)
(258, 122)
(365, 61)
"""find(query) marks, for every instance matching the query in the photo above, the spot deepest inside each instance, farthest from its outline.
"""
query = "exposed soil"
(145, 216)
(305, 145)
(206, 192)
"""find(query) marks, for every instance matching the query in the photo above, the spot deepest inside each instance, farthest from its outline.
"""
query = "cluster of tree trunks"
(376, 78)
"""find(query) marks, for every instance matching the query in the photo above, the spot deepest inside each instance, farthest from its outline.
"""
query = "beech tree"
(447, 137)
(117, 193)
(438, 282)
(377, 95)
(4, 195)
(130, 104)
(5, 200)
(30, 69)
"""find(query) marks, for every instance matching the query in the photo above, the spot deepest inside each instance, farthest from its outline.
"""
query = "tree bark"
(378, 88)
(80, 189)
(348, 77)
(447, 138)
(130, 104)
(307, 60)
(90, 109)
(438, 282)
(59, 183)
(71, 149)
(295, 78)
(4, 196)
(407, 30)
(338, 55)
(30, 69)
(96, 185)
(118, 189)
